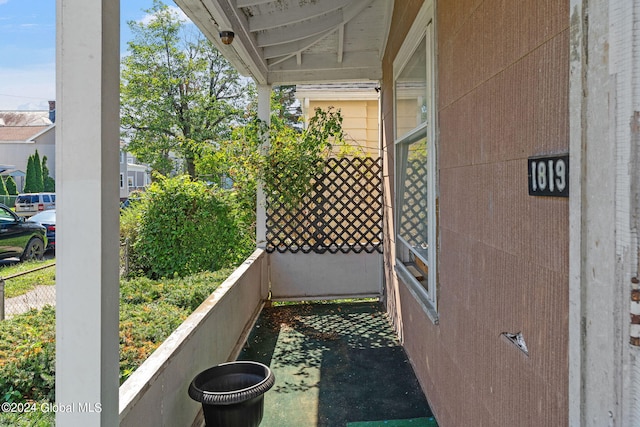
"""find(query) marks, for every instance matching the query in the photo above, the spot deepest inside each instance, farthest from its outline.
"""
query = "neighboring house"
(21, 134)
(133, 176)
(517, 305)
(359, 106)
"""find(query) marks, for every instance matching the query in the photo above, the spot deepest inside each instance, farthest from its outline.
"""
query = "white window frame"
(422, 28)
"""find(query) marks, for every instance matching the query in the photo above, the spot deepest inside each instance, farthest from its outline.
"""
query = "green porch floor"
(335, 364)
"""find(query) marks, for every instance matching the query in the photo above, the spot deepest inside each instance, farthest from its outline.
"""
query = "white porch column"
(87, 143)
(264, 114)
(604, 375)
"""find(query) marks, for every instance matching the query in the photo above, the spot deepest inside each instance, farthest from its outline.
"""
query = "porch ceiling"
(298, 41)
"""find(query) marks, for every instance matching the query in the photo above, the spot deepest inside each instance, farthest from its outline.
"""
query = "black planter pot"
(232, 394)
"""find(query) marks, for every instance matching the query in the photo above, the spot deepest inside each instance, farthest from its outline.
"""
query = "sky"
(28, 49)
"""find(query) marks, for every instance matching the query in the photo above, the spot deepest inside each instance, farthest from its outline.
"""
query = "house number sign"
(549, 176)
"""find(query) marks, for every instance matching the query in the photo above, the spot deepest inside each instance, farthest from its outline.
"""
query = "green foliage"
(143, 327)
(35, 180)
(187, 292)
(49, 184)
(29, 419)
(233, 163)
(149, 312)
(178, 93)
(130, 219)
(295, 156)
(27, 356)
(12, 188)
(3, 188)
(294, 159)
(30, 178)
(186, 227)
(37, 167)
(284, 108)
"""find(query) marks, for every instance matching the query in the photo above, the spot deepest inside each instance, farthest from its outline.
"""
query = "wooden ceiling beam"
(294, 13)
(249, 3)
(300, 30)
(276, 51)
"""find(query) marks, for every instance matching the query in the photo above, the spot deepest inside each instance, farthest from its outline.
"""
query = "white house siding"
(17, 153)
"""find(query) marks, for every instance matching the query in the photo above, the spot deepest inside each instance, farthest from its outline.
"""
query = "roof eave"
(218, 16)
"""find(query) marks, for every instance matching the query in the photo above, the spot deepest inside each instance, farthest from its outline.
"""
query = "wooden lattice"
(412, 224)
(343, 213)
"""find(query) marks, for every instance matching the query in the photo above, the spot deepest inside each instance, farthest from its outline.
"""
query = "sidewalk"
(37, 298)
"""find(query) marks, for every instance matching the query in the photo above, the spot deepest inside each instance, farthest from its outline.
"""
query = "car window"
(27, 199)
(45, 198)
(5, 216)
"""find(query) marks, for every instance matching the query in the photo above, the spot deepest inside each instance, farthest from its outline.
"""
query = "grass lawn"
(23, 284)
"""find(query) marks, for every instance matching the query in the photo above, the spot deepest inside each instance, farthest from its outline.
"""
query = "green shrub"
(27, 356)
(29, 419)
(187, 293)
(143, 327)
(3, 188)
(185, 227)
(12, 188)
(130, 218)
(149, 312)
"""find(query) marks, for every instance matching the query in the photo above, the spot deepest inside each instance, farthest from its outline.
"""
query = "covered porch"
(471, 91)
(335, 363)
(340, 44)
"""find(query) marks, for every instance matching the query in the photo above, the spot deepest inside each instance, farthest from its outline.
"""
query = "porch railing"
(156, 393)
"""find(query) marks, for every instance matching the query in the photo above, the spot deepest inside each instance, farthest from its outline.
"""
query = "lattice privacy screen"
(412, 224)
(342, 214)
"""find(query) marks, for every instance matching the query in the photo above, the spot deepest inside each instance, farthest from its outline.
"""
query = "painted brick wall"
(502, 85)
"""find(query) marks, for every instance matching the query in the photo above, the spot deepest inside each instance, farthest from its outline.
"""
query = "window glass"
(5, 216)
(411, 92)
(412, 197)
(416, 163)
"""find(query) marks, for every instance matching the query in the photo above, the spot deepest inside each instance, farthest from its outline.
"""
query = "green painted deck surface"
(334, 364)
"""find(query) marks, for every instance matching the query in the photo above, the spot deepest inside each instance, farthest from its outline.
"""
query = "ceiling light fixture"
(226, 37)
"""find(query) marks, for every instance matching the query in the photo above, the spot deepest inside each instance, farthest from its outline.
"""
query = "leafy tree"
(235, 160)
(287, 168)
(37, 166)
(49, 184)
(178, 93)
(12, 188)
(284, 106)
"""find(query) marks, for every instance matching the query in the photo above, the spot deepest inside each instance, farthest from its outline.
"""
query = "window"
(416, 163)
(130, 182)
(6, 216)
(121, 180)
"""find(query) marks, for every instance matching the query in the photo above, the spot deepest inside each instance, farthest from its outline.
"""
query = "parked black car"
(47, 219)
(19, 238)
